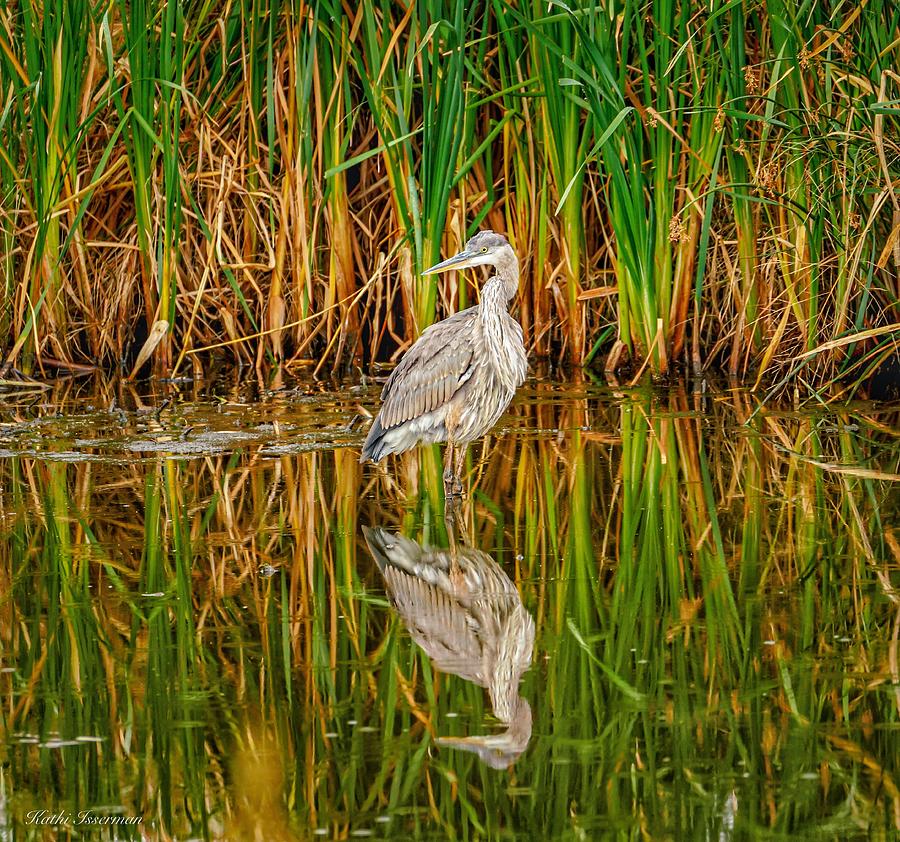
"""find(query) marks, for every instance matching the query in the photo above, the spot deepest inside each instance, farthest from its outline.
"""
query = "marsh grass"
(715, 604)
(712, 186)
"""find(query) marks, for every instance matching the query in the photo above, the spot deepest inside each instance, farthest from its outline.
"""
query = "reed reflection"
(467, 616)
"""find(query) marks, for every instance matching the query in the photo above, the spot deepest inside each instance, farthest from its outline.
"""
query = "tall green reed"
(684, 185)
(151, 97)
(47, 78)
(557, 46)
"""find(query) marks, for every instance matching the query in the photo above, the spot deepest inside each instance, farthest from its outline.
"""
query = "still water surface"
(656, 615)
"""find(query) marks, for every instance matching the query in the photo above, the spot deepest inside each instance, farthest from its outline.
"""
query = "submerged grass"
(687, 184)
(714, 592)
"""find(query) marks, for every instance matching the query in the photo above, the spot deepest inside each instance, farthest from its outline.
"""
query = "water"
(196, 638)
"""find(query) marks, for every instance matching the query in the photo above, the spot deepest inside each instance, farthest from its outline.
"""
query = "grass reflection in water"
(714, 605)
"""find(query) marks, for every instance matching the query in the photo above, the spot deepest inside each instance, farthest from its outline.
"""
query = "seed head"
(719, 122)
(677, 231)
(751, 79)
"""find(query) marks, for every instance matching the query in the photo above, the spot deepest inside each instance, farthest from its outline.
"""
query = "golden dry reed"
(689, 185)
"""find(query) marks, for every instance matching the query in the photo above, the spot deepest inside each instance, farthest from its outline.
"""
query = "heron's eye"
(484, 249)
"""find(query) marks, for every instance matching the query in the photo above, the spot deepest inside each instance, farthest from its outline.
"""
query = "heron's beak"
(458, 261)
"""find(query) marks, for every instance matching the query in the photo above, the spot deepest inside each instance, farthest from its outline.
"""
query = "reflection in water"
(468, 617)
(187, 637)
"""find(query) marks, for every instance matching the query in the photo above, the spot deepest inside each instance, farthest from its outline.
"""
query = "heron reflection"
(466, 614)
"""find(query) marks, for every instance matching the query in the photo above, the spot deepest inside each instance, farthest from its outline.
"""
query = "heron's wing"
(462, 623)
(439, 624)
(430, 372)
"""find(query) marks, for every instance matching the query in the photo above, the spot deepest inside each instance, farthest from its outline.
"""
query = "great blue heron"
(468, 617)
(456, 381)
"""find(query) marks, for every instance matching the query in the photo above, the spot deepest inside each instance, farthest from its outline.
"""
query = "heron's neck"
(504, 284)
(513, 711)
(502, 336)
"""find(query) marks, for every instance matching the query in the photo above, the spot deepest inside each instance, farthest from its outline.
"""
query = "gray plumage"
(466, 614)
(459, 377)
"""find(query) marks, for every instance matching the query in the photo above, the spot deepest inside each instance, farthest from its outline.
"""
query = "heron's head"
(486, 247)
(498, 750)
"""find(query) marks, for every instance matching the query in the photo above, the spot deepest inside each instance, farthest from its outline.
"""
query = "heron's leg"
(453, 520)
(455, 530)
(451, 513)
(448, 470)
(458, 466)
